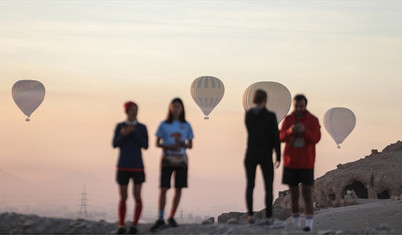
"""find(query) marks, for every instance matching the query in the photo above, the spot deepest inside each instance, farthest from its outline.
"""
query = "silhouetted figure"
(263, 137)
(130, 136)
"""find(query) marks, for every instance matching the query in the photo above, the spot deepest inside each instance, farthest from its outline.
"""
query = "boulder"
(225, 217)
(210, 220)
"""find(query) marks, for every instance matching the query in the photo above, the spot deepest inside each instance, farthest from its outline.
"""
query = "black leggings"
(268, 174)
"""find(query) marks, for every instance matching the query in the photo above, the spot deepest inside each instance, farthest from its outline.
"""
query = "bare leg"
(175, 203)
(162, 198)
(308, 199)
(294, 193)
(137, 191)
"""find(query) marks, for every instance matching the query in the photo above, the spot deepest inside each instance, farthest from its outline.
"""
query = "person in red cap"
(130, 137)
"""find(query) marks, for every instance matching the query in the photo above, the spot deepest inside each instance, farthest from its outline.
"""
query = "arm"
(286, 131)
(141, 136)
(166, 147)
(189, 144)
(246, 120)
(313, 134)
(277, 142)
(190, 135)
(118, 138)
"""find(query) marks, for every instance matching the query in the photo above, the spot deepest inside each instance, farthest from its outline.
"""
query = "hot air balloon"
(207, 92)
(339, 122)
(279, 98)
(28, 95)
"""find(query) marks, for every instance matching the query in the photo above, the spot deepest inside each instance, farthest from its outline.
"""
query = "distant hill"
(11, 183)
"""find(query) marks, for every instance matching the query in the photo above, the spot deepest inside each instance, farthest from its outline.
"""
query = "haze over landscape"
(93, 57)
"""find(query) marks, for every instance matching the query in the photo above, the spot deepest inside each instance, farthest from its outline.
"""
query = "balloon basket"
(27, 120)
(206, 118)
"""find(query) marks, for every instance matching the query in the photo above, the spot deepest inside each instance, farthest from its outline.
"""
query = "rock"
(375, 177)
(350, 198)
(233, 221)
(281, 213)
(225, 217)
(210, 220)
(28, 223)
(384, 227)
(325, 232)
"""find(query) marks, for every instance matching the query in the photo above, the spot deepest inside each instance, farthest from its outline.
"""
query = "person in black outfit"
(263, 137)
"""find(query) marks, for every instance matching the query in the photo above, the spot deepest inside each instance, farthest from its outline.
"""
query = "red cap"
(129, 104)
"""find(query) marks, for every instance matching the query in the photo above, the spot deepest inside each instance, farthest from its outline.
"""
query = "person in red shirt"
(301, 132)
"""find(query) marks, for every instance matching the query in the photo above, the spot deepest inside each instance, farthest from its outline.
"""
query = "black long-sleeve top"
(263, 135)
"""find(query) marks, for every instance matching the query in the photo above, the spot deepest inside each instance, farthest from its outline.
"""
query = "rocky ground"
(373, 217)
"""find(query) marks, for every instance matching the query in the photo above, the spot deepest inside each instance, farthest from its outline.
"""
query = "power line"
(83, 207)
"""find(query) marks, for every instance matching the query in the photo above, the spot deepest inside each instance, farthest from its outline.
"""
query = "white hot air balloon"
(339, 122)
(207, 92)
(279, 98)
(28, 95)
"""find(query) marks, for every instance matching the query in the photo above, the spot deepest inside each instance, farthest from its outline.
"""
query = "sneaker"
(133, 230)
(158, 225)
(172, 222)
(121, 230)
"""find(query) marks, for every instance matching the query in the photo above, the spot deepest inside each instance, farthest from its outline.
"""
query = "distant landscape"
(83, 195)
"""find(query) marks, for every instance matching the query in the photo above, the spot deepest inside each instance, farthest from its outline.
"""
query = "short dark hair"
(300, 97)
(259, 96)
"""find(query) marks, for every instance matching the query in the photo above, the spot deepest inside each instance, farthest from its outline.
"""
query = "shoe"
(133, 230)
(250, 220)
(172, 222)
(158, 225)
(306, 229)
(121, 230)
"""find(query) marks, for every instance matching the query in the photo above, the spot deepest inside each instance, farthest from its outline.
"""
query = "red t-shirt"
(301, 155)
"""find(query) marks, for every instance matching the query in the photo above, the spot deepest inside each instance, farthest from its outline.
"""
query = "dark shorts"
(180, 177)
(293, 177)
(123, 177)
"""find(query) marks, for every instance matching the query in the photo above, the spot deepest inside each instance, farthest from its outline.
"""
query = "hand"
(298, 128)
(125, 130)
(174, 147)
(277, 164)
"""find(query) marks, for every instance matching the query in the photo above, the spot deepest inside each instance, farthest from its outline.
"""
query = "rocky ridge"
(377, 176)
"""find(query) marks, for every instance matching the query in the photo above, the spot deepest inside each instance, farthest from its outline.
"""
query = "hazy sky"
(92, 56)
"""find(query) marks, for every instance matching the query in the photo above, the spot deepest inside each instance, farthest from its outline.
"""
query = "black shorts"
(123, 177)
(293, 177)
(180, 177)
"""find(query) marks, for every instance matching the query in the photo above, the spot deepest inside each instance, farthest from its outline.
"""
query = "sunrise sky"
(92, 56)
